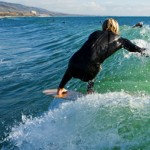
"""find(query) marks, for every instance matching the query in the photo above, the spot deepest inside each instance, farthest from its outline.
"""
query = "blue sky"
(92, 7)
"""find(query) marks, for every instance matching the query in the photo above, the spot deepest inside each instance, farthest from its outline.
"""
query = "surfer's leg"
(90, 87)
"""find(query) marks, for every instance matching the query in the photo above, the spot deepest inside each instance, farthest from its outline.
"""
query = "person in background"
(86, 62)
(139, 24)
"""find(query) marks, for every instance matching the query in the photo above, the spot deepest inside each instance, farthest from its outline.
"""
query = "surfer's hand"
(143, 53)
(61, 91)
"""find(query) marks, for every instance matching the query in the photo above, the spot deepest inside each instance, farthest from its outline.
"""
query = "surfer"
(86, 62)
(139, 24)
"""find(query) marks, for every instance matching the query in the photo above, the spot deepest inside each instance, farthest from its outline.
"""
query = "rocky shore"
(4, 14)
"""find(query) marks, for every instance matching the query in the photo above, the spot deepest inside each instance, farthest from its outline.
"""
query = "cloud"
(89, 7)
(92, 7)
(129, 10)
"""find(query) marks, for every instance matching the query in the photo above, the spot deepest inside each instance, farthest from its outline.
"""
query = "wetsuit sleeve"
(128, 45)
(67, 76)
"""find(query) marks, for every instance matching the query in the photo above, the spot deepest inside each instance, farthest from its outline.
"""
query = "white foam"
(90, 122)
(2, 61)
(143, 44)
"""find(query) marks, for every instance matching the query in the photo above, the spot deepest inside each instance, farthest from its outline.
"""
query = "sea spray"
(97, 121)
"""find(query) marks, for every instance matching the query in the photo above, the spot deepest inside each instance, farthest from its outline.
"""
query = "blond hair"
(111, 25)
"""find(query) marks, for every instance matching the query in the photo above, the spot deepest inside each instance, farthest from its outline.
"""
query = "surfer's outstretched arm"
(128, 45)
(67, 76)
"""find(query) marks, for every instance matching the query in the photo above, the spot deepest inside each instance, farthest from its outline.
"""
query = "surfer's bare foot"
(61, 91)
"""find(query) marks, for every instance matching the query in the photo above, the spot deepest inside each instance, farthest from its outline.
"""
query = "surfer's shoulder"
(95, 33)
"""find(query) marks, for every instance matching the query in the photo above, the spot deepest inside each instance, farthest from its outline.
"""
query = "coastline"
(17, 14)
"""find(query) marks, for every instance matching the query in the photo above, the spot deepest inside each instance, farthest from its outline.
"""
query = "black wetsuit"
(85, 63)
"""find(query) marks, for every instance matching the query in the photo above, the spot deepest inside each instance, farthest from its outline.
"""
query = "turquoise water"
(33, 57)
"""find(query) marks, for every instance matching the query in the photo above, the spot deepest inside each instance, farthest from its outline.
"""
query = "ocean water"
(34, 53)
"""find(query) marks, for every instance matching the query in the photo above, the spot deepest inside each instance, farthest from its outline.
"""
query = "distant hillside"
(12, 9)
